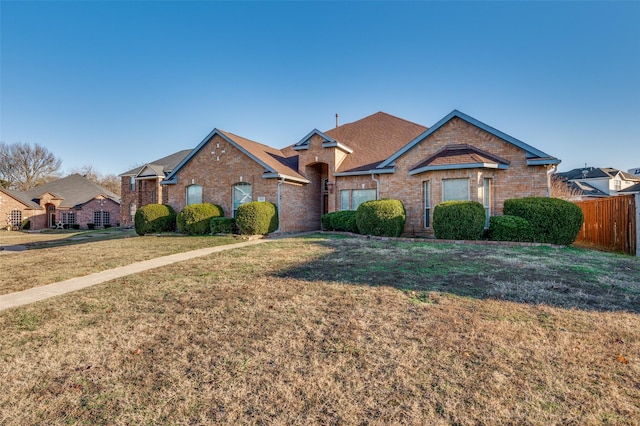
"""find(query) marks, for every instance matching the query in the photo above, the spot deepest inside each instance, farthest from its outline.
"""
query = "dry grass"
(57, 257)
(255, 336)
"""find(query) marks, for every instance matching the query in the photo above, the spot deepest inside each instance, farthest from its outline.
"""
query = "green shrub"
(553, 220)
(222, 225)
(257, 218)
(510, 228)
(459, 220)
(106, 226)
(75, 226)
(153, 218)
(325, 221)
(91, 226)
(344, 221)
(195, 219)
(381, 218)
(26, 224)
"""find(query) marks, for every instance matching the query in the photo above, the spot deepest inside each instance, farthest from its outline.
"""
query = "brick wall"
(146, 191)
(9, 204)
(85, 214)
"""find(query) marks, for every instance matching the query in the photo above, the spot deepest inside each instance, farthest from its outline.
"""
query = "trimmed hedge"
(257, 218)
(510, 228)
(344, 221)
(459, 220)
(26, 224)
(381, 218)
(222, 225)
(195, 219)
(553, 220)
(153, 218)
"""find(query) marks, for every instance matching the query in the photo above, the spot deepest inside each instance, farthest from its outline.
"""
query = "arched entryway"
(51, 215)
(318, 174)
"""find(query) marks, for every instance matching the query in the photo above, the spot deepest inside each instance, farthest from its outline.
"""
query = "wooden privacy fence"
(610, 223)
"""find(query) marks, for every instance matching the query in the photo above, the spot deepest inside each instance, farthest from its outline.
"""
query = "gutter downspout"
(377, 185)
(552, 170)
(280, 182)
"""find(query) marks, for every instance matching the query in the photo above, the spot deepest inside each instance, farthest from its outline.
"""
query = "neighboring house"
(632, 189)
(141, 185)
(379, 156)
(598, 182)
(71, 200)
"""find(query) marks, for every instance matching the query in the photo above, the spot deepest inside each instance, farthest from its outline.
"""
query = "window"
(486, 200)
(194, 194)
(68, 218)
(455, 189)
(132, 183)
(241, 195)
(350, 199)
(344, 199)
(427, 204)
(132, 211)
(101, 218)
(359, 196)
(617, 184)
(15, 218)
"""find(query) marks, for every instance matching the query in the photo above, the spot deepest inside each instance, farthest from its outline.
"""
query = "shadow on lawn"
(560, 277)
(79, 238)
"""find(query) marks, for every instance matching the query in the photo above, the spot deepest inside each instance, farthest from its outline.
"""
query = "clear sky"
(118, 84)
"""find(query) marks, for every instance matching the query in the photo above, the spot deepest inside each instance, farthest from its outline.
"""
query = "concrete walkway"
(36, 294)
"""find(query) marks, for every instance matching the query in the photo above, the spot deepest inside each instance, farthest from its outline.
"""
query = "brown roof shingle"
(373, 139)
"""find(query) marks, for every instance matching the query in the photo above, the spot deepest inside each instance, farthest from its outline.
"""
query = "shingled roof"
(73, 190)
(162, 166)
(461, 156)
(22, 198)
(373, 139)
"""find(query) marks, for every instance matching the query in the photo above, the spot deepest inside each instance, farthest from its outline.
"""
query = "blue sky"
(117, 84)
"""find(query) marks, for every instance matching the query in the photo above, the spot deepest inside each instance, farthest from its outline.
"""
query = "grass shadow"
(560, 277)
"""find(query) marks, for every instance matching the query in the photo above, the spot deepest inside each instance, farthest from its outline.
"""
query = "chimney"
(336, 120)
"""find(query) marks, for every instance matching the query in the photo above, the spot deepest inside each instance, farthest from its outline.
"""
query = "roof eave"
(271, 175)
(459, 167)
(367, 172)
(543, 161)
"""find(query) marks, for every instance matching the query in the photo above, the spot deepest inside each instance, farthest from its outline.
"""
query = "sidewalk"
(36, 294)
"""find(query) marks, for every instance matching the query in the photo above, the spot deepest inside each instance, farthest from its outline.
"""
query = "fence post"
(637, 224)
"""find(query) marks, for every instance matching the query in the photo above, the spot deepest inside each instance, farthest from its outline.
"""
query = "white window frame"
(244, 195)
(445, 182)
(197, 198)
(132, 210)
(426, 194)
(486, 199)
(132, 183)
(355, 204)
(15, 218)
(345, 199)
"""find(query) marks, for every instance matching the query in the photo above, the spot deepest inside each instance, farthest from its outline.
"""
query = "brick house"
(379, 156)
(72, 199)
(142, 185)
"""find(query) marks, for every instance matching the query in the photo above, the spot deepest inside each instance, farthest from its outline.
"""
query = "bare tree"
(561, 188)
(110, 181)
(25, 166)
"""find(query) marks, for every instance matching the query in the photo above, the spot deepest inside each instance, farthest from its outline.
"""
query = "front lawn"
(326, 330)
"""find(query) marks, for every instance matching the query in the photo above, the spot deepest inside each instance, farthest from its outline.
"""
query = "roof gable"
(372, 139)
(167, 163)
(22, 198)
(275, 163)
(535, 155)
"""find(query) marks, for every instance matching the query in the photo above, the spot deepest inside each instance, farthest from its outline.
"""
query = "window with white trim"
(97, 218)
(455, 189)
(241, 195)
(359, 196)
(426, 193)
(132, 183)
(617, 184)
(345, 195)
(15, 218)
(68, 218)
(194, 194)
(486, 200)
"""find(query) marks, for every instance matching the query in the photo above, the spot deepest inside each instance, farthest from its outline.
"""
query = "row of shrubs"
(531, 219)
(379, 218)
(254, 218)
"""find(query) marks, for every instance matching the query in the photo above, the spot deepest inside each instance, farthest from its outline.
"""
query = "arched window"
(194, 194)
(241, 195)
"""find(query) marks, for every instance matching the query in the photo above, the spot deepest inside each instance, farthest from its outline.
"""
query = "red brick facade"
(221, 162)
